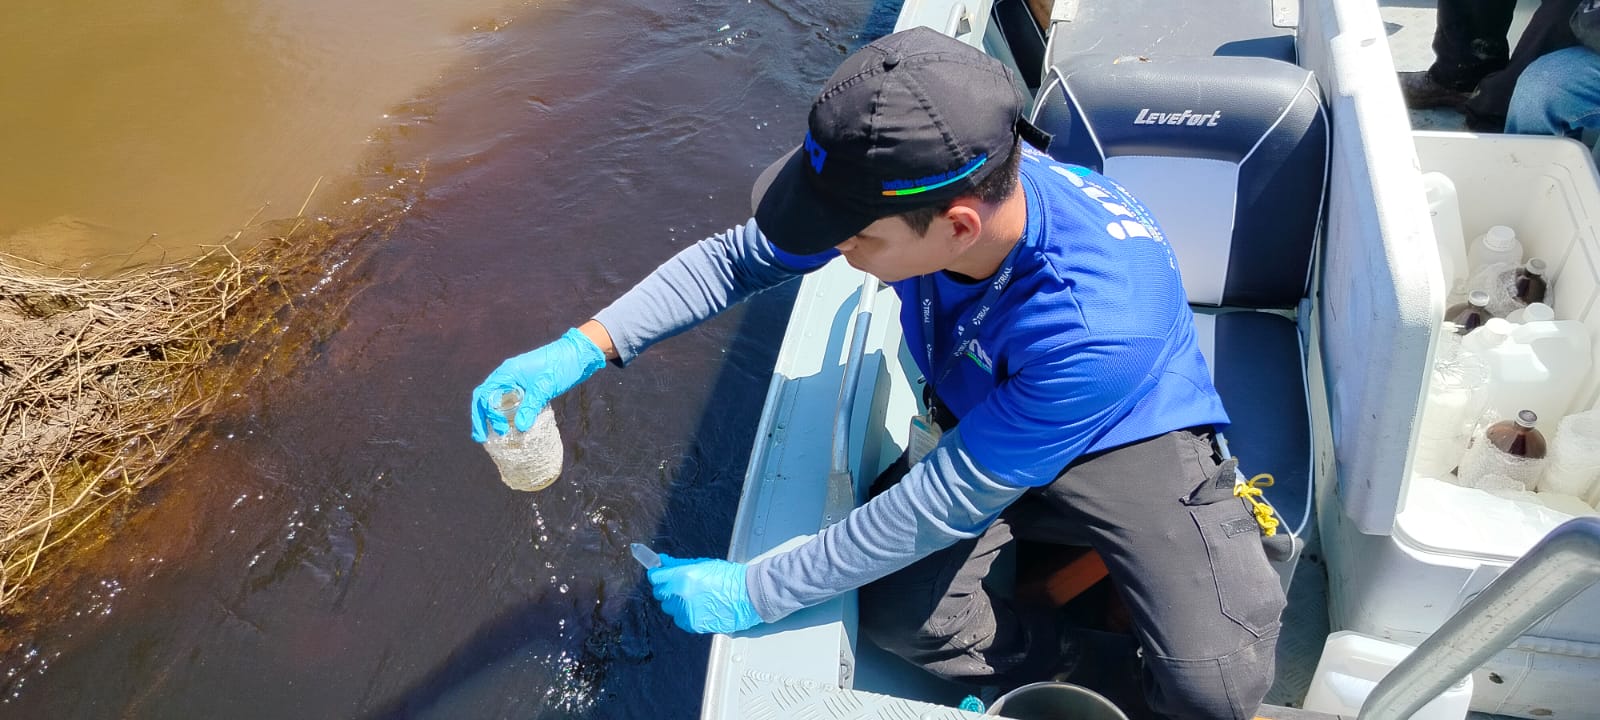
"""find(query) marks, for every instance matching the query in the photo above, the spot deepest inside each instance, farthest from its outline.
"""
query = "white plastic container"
(1400, 569)
(1574, 460)
(1351, 666)
(1445, 211)
(1534, 367)
(1567, 504)
(1491, 334)
(1498, 245)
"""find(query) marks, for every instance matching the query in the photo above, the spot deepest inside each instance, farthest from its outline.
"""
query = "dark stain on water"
(335, 545)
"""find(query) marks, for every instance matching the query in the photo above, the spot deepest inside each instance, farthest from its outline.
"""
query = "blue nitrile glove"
(541, 374)
(704, 595)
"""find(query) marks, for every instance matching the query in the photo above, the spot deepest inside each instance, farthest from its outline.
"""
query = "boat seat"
(1230, 154)
(1259, 370)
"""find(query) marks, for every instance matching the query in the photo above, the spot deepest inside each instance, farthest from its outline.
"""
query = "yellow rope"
(1251, 490)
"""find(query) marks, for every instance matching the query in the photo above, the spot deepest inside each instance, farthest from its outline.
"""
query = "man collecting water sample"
(1068, 401)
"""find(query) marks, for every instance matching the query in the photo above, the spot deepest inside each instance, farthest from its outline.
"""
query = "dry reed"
(102, 379)
(97, 377)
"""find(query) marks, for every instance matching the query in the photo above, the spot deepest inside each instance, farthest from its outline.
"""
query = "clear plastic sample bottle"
(528, 460)
(1457, 392)
(1498, 245)
(1445, 211)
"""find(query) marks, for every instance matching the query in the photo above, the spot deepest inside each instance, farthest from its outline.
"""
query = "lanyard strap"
(973, 321)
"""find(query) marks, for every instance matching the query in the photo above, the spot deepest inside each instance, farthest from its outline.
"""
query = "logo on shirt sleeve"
(976, 354)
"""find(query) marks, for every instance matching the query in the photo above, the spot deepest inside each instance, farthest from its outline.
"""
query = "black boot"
(1422, 92)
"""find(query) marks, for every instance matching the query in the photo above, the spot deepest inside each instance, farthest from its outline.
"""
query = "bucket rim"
(999, 703)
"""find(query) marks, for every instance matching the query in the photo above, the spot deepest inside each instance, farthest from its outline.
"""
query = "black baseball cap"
(913, 119)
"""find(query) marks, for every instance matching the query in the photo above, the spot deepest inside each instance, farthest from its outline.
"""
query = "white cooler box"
(1448, 543)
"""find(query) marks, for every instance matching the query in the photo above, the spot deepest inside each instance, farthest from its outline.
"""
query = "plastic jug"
(1445, 211)
(1534, 366)
(1351, 666)
(1488, 335)
(1498, 245)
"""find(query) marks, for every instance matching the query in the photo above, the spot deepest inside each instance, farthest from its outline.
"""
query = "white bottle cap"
(1537, 312)
(1488, 335)
(1499, 238)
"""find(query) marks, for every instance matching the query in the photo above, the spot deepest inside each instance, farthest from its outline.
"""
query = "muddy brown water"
(334, 545)
(175, 122)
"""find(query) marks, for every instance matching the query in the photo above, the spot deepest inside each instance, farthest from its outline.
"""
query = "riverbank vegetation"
(99, 378)
(104, 381)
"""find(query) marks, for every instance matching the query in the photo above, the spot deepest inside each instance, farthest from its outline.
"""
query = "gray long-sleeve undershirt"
(697, 283)
(945, 498)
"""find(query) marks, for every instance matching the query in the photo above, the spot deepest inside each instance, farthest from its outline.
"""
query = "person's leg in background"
(1469, 42)
(1548, 30)
(1559, 94)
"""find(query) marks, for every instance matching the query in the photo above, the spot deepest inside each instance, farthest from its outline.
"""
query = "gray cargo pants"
(1184, 553)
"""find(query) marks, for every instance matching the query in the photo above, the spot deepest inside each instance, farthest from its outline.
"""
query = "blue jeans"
(1559, 94)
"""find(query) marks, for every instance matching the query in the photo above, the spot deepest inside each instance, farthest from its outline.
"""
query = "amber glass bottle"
(1530, 283)
(1468, 316)
(1519, 437)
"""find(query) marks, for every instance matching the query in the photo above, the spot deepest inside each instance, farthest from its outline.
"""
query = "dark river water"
(336, 546)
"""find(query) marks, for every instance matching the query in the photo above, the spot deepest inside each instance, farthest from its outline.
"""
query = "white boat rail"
(842, 493)
(1563, 564)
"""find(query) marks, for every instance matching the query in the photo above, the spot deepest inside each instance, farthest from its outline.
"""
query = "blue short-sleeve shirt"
(1091, 344)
